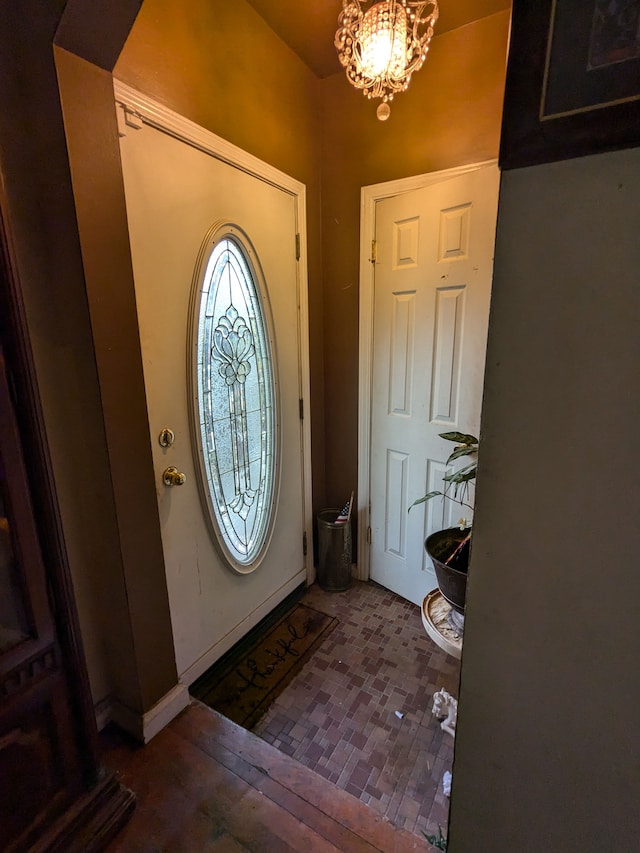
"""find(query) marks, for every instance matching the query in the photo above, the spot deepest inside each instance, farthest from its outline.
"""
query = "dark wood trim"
(97, 805)
(527, 137)
(92, 822)
(21, 370)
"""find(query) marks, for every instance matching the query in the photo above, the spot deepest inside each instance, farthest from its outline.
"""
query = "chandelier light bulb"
(381, 47)
(383, 41)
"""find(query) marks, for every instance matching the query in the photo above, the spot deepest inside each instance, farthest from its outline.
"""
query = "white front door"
(434, 262)
(176, 193)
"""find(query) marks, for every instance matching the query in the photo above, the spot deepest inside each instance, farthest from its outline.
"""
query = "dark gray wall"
(546, 752)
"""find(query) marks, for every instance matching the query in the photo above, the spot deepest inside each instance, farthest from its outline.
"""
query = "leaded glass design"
(236, 400)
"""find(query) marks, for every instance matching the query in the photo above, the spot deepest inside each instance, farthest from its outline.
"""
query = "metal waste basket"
(334, 551)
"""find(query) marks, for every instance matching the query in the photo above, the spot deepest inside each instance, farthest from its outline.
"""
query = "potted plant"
(449, 549)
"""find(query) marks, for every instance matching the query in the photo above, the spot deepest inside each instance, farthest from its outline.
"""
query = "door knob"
(172, 477)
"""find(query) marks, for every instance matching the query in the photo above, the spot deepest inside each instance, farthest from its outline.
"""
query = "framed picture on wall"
(573, 80)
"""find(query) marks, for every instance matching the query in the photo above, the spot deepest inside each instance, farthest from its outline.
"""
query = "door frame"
(369, 197)
(134, 109)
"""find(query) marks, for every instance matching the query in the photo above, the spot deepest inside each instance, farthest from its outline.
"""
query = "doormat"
(242, 686)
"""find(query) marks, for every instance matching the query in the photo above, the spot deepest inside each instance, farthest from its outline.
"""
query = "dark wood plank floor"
(205, 784)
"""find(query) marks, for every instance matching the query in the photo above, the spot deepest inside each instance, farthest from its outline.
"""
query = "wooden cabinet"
(54, 795)
(40, 768)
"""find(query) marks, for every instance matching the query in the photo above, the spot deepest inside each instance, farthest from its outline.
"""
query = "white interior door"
(175, 193)
(431, 306)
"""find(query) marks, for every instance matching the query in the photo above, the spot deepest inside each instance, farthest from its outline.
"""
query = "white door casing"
(179, 182)
(428, 304)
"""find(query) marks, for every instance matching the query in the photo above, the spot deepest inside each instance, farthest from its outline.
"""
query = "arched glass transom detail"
(235, 397)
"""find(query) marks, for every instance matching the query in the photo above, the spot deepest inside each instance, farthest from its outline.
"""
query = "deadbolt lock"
(172, 477)
(166, 437)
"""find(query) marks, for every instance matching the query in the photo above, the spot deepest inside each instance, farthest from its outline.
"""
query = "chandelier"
(382, 47)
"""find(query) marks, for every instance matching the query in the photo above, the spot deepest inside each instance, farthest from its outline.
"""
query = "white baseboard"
(103, 712)
(203, 663)
(144, 726)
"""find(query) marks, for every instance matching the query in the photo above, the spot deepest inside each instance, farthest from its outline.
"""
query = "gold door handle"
(172, 477)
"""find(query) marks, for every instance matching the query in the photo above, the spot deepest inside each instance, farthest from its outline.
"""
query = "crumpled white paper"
(446, 783)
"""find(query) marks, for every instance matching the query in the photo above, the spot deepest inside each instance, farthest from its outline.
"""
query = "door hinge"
(297, 247)
(301, 406)
(368, 535)
(304, 544)
(374, 251)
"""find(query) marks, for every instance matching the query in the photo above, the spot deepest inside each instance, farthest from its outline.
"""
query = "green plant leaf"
(462, 451)
(459, 437)
(462, 476)
(438, 841)
(426, 497)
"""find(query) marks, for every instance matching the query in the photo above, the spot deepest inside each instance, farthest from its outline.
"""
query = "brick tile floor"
(338, 715)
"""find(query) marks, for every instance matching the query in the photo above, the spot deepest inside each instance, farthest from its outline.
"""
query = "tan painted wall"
(449, 116)
(40, 204)
(72, 244)
(94, 161)
(258, 95)
(546, 755)
(220, 65)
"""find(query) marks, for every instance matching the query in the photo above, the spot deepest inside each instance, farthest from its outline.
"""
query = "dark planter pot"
(452, 579)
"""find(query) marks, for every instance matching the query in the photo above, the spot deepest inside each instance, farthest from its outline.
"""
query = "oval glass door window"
(234, 399)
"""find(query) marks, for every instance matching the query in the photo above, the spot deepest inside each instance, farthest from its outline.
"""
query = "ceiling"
(309, 26)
